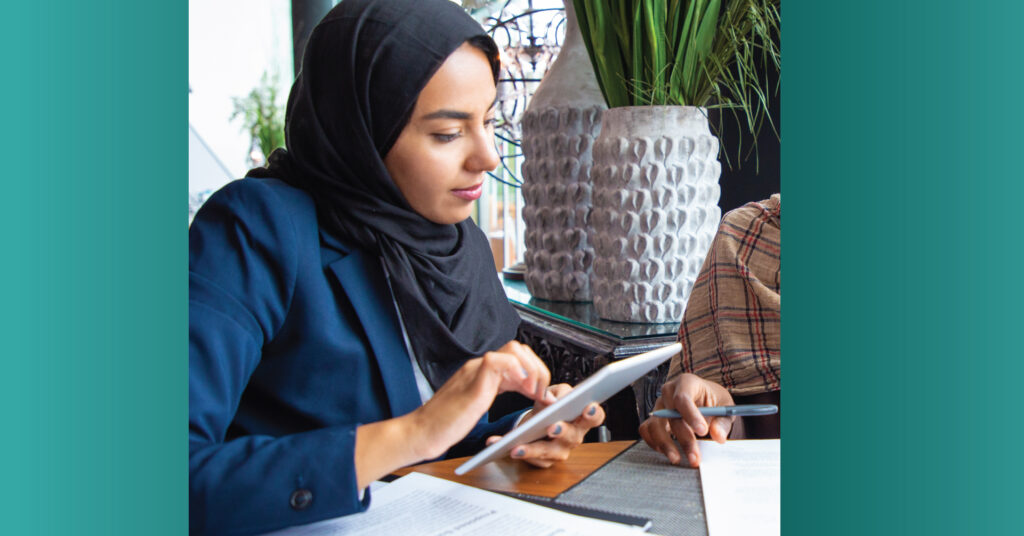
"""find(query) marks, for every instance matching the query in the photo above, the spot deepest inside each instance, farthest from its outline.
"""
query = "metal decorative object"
(530, 40)
(529, 34)
(573, 353)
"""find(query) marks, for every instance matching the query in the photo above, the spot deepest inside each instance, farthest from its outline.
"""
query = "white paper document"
(742, 486)
(418, 504)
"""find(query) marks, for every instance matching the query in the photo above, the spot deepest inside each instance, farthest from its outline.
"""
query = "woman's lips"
(470, 194)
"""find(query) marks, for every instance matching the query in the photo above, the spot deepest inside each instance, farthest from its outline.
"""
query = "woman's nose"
(485, 154)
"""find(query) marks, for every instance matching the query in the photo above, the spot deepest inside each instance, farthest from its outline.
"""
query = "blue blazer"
(293, 343)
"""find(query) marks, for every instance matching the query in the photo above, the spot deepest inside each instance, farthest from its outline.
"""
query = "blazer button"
(300, 499)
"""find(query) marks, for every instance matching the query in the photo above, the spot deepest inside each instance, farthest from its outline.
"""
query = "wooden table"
(520, 477)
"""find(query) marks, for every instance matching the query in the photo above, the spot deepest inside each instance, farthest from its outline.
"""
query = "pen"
(750, 410)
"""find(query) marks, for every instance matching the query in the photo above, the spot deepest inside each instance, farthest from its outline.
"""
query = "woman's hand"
(458, 405)
(684, 394)
(451, 413)
(562, 436)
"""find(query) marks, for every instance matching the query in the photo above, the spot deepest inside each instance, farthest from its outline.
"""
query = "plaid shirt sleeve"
(731, 328)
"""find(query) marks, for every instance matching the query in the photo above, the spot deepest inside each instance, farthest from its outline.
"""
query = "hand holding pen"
(683, 394)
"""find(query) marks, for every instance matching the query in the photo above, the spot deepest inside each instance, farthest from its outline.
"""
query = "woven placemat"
(641, 482)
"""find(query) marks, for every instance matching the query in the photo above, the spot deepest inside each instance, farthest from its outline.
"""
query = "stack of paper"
(417, 504)
(741, 482)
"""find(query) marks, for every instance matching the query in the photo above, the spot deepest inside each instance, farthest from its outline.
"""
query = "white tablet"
(604, 383)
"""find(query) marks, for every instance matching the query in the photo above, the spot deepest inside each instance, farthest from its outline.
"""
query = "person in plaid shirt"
(730, 335)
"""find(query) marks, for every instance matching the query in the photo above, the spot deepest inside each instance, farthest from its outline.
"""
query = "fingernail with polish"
(593, 410)
(524, 373)
(519, 453)
(558, 430)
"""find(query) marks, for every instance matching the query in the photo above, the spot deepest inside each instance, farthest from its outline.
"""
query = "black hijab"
(362, 71)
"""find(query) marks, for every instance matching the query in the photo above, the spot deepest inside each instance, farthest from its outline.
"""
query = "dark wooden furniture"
(574, 342)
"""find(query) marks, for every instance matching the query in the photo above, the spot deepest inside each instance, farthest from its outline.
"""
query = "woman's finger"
(679, 396)
(507, 370)
(541, 453)
(563, 437)
(553, 394)
(720, 427)
(593, 415)
(571, 434)
(567, 433)
(530, 366)
(655, 432)
(538, 370)
(560, 389)
(687, 440)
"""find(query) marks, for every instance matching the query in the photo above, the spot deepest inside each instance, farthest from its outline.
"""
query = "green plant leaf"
(261, 115)
(710, 53)
(655, 20)
(605, 52)
(679, 79)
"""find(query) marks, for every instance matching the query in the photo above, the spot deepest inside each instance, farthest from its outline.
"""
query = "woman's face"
(441, 156)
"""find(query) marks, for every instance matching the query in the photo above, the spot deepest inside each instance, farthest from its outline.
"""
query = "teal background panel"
(94, 272)
(901, 169)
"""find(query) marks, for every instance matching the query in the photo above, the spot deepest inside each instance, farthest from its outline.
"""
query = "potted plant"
(660, 65)
(262, 118)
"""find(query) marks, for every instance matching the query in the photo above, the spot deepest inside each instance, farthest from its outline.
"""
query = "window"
(529, 34)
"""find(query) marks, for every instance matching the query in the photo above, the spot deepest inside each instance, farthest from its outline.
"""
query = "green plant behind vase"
(262, 117)
(684, 52)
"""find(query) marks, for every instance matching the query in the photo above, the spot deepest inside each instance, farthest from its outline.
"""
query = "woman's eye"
(490, 123)
(445, 138)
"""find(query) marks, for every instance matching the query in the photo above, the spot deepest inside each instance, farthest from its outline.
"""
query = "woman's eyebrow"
(453, 114)
(446, 114)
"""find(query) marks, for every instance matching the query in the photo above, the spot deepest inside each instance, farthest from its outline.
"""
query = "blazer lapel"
(363, 280)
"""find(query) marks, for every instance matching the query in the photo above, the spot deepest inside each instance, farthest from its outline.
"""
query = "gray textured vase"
(655, 210)
(559, 129)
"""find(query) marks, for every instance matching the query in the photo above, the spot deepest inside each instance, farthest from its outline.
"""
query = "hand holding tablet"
(604, 383)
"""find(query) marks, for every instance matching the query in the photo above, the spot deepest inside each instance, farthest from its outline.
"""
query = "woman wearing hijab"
(345, 318)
